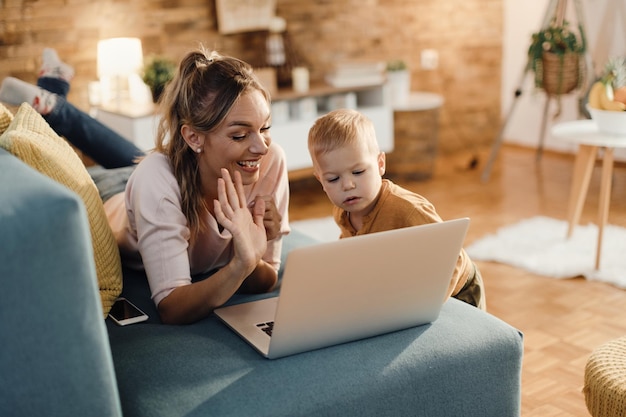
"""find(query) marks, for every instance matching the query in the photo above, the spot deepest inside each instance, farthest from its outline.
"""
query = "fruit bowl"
(609, 121)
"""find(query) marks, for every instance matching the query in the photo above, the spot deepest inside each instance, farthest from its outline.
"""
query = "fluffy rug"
(323, 229)
(540, 245)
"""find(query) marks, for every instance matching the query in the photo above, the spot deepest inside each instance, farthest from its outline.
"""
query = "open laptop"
(353, 288)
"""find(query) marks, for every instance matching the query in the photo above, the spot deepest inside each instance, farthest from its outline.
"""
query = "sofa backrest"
(55, 358)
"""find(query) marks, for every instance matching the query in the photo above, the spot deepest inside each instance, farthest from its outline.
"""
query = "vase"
(399, 85)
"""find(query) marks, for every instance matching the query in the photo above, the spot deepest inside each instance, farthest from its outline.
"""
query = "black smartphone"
(124, 313)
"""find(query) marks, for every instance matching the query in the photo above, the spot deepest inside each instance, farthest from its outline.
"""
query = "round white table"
(589, 139)
(416, 130)
(419, 101)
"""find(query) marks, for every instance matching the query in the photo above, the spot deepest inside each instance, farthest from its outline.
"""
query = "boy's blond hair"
(339, 128)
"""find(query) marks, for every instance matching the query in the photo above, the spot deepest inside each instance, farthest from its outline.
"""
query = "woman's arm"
(192, 302)
(262, 279)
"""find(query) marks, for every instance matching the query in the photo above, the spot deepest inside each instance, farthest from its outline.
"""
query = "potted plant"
(399, 79)
(555, 56)
(157, 72)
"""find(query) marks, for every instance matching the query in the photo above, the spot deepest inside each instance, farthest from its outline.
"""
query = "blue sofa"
(60, 358)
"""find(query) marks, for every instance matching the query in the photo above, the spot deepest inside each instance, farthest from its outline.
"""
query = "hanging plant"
(556, 56)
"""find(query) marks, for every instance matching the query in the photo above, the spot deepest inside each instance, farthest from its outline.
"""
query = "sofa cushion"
(5, 118)
(32, 140)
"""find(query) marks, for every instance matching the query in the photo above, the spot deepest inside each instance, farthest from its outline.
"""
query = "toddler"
(350, 166)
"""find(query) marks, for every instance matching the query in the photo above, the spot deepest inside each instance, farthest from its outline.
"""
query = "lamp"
(119, 60)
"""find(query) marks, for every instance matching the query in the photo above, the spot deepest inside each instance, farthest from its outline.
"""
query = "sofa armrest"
(55, 358)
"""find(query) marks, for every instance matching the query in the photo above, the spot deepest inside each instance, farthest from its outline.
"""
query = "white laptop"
(353, 288)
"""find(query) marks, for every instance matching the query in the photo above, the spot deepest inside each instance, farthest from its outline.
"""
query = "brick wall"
(466, 33)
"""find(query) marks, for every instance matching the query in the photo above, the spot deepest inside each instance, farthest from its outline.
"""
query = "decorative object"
(605, 379)
(119, 59)
(555, 56)
(609, 121)
(157, 72)
(540, 246)
(280, 53)
(300, 79)
(275, 44)
(399, 78)
(235, 16)
(607, 97)
(357, 73)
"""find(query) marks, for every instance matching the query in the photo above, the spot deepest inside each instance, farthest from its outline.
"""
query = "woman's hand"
(271, 216)
(247, 228)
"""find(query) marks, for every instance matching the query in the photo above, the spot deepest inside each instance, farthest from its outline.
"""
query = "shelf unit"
(294, 113)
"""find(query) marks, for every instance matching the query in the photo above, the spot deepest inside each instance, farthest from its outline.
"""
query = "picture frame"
(236, 16)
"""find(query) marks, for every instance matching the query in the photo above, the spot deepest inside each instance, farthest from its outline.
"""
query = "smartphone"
(124, 312)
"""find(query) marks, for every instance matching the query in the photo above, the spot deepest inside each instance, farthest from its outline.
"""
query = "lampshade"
(119, 57)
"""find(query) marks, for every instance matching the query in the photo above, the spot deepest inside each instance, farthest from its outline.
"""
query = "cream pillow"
(5, 118)
(31, 139)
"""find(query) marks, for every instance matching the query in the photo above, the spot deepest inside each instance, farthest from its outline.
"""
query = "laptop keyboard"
(266, 327)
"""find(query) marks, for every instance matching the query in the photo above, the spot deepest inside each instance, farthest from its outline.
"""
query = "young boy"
(349, 165)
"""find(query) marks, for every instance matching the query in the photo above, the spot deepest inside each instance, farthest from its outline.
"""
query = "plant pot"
(561, 73)
(399, 86)
(156, 91)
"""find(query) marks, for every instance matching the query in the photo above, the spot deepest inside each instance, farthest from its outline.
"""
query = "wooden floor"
(562, 320)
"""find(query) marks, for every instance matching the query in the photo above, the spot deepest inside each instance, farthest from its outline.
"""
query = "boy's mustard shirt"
(396, 208)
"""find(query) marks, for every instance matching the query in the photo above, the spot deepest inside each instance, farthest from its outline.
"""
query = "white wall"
(605, 23)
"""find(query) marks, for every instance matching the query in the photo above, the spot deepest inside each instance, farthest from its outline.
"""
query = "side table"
(135, 123)
(589, 139)
(416, 127)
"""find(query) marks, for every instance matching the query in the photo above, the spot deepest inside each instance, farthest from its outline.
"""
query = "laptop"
(351, 289)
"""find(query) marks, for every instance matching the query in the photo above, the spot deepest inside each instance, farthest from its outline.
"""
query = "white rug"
(539, 245)
(323, 229)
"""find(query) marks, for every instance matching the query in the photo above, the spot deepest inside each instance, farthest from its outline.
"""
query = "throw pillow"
(31, 139)
(5, 118)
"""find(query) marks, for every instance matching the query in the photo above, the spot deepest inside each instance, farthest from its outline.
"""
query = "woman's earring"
(199, 150)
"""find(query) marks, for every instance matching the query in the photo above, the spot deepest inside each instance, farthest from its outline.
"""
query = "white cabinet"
(138, 124)
(293, 114)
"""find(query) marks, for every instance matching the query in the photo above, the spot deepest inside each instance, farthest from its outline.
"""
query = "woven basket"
(605, 380)
(561, 73)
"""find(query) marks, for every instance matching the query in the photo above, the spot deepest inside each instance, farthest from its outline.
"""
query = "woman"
(212, 197)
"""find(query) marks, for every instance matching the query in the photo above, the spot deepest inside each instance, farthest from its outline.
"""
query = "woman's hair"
(339, 128)
(201, 94)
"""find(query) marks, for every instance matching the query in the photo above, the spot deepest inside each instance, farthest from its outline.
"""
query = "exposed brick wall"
(466, 33)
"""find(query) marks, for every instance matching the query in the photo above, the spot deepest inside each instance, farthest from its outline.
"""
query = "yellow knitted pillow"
(5, 118)
(33, 141)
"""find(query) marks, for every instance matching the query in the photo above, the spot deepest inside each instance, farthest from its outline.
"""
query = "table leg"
(542, 133)
(583, 168)
(605, 198)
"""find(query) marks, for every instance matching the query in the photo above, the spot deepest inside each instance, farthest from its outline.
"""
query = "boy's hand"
(271, 216)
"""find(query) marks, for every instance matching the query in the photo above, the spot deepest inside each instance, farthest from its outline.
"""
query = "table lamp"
(119, 61)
